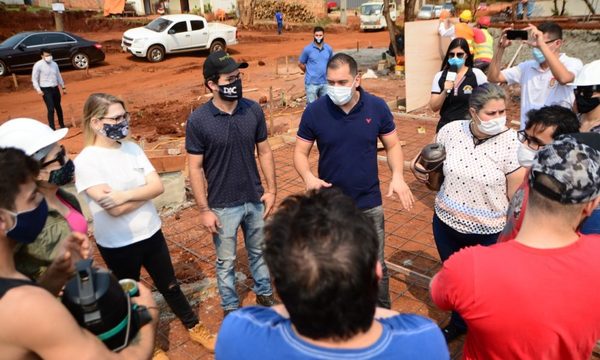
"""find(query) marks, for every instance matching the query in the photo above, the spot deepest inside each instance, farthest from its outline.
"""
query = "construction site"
(160, 96)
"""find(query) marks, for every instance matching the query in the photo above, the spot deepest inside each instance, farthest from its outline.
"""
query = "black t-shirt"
(456, 104)
(7, 284)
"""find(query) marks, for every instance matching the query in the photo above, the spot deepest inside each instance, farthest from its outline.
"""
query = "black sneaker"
(266, 300)
(451, 333)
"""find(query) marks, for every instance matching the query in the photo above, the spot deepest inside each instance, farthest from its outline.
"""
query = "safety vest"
(484, 50)
(464, 31)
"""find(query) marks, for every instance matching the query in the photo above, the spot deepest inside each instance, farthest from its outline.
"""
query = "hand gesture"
(400, 187)
(504, 42)
(210, 220)
(314, 183)
(113, 199)
(537, 37)
(268, 199)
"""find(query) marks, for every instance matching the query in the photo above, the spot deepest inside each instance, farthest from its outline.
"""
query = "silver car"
(437, 10)
(426, 12)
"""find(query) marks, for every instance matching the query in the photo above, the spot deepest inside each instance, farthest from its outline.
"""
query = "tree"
(246, 9)
(409, 10)
(555, 10)
(589, 5)
(391, 25)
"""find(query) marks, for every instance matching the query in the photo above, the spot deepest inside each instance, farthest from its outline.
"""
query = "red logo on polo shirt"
(368, 120)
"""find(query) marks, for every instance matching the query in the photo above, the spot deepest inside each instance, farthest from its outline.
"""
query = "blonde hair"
(96, 106)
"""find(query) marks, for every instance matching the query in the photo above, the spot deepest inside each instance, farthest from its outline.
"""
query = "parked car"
(176, 34)
(21, 51)
(426, 12)
(372, 17)
(437, 10)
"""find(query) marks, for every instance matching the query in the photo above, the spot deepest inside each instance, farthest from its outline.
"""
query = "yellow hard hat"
(466, 15)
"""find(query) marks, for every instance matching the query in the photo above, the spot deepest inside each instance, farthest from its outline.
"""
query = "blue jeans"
(279, 28)
(250, 217)
(448, 241)
(530, 7)
(592, 224)
(313, 91)
(383, 297)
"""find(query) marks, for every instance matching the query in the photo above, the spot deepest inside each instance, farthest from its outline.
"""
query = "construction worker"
(461, 29)
(483, 44)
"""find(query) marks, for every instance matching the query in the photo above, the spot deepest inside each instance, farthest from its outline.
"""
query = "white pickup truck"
(175, 34)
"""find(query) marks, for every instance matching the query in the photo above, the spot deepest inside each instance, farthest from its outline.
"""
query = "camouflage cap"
(573, 163)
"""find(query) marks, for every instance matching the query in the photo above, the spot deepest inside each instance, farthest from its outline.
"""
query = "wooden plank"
(422, 54)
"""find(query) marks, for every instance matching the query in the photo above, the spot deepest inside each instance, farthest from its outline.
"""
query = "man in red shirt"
(534, 297)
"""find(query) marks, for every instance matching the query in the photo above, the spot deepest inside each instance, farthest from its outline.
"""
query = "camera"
(102, 304)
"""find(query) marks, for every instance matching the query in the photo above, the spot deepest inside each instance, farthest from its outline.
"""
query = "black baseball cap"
(221, 62)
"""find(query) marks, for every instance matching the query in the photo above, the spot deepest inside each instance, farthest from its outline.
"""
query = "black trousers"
(153, 254)
(52, 101)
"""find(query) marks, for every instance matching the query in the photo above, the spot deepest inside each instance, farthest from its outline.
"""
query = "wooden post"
(287, 70)
(357, 46)
(58, 19)
(271, 121)
(15, 81)
(276, 66)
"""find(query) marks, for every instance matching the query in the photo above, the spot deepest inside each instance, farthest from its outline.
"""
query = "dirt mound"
(159, 119)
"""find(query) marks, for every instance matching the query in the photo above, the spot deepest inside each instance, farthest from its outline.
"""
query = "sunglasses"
(459, 55)
(532, 141)
(61, 158)
(586, 91)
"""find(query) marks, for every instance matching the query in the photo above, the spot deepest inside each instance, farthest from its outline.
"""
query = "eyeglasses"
(459, 55)
(61, 158)
(551, 41)
(119, 118)
(533, 142)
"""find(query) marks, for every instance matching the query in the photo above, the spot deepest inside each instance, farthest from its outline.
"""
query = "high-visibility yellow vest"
(484, 50)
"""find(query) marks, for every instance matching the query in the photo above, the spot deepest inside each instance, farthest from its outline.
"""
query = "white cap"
(589, 75)
(29, 135)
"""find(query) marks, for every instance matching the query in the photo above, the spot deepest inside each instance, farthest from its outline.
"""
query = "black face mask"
(116, 131)
(64, 175)
(586, 104)
(232, 91)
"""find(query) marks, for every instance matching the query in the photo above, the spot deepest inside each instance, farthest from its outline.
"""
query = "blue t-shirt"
(316, 61)
(347, 144)
(261, 333)
(227, 143)
(279, 17)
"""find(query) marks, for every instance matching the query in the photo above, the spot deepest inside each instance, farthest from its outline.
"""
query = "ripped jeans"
(153, 254)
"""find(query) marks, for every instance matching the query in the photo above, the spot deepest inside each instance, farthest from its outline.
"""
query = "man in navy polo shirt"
(346, 125)
(313, 62)
(221, 136)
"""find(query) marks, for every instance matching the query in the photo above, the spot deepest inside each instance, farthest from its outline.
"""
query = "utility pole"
(58, 9)
(343, 15)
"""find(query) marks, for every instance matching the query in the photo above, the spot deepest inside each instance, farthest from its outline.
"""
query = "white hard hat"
(589, 75)
(29, 135)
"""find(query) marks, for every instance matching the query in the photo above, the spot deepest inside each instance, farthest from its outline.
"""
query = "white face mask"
(340, 95)
(47, 59)
(525, 155)
(493, 126)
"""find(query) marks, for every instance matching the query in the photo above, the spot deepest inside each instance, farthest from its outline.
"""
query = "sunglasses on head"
(61, 158)
(586, 91)
(459, 55)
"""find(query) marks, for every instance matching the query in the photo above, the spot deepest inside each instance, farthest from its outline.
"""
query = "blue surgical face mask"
(538, 55)
(28, 224)
(458, 62)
